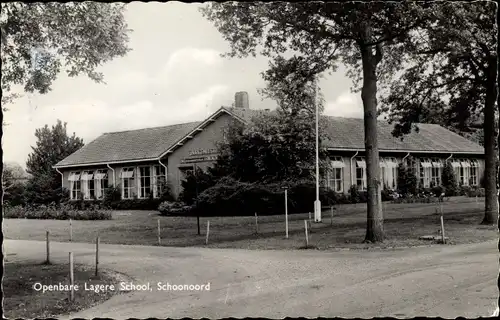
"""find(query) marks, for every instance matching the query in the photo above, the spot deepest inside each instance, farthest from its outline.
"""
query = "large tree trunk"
(490, 137)
(375, 218)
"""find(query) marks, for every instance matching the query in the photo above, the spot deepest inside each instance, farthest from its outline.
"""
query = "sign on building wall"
(199, 152)
(200, 155)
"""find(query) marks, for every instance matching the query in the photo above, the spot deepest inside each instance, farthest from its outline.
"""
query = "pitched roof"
(131, 145)
(343, 133)
(348, 133)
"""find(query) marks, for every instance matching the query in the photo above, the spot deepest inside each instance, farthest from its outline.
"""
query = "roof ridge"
(157, 127)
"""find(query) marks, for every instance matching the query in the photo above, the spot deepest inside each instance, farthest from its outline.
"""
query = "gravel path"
(444, 281)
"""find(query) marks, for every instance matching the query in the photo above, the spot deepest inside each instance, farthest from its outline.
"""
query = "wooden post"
(159, 233)
(442, 230)
(70, 231)
(256, 223)
(71, 278)
(307, 236)
(286, 213)
(198, 221)
(331, 216)
(48, 247)
(97, 240)
(208, 231)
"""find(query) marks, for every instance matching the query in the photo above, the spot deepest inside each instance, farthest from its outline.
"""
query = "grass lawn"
(21, 300)
(403, 223)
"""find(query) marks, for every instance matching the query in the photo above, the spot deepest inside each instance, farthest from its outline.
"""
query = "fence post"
(307, 236)
(159, 233)
(48, 247)
(71, 278)
(442, 230)
(70, 231)
(97, 255)
(331, 216)
(286, 213)
(256, 223)
(208, 231)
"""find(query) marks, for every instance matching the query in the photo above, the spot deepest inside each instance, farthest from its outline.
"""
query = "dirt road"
(444, 281)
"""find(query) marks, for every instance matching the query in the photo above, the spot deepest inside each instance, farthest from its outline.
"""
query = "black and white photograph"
(250, 159)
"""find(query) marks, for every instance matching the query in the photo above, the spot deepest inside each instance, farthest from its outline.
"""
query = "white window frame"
(141, 181)
(361, 165)
(88, 184)
(464, 172)
(337, 165)
(425, 172)
(436, 171)
(75, 185)
(130, 182)
(389, 172)
(474, 167)
(100, 179)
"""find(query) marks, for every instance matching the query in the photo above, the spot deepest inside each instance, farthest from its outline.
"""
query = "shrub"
(111, 194)
(387, 195)
(56, 212)
(407, 181)
(476, 192)
(175, 209)
(354, 195)
(438, 191)
(464, 190)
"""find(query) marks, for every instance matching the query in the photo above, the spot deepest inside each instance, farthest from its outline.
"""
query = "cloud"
(346, 104)
(185, 57)
(91, 118)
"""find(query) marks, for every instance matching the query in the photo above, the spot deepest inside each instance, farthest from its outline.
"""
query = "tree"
(449, 180)
(407, 180)
(317, 34)
(194, 184)
(452, 81)
(41, 39)
(53, 145)
(13, 182)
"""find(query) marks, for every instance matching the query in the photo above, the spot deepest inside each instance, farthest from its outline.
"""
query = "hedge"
(56, 212)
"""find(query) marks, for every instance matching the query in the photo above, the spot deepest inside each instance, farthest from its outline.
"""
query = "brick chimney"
(241, 100)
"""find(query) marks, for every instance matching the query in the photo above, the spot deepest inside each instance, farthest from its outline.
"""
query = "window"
(127, 176)
(144, 182)
(100, 182)
(436, 170)
(456, 168)
(74, 185)
(389, 172)
(361, 173)
(159, 180)
(474, 166)
(225, 134)
(88, 189)
(425, 173)
(464, 172)
(336, 178)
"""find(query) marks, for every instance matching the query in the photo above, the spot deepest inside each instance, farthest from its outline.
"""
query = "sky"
(173, 74)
